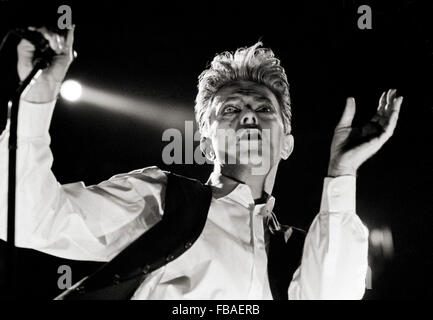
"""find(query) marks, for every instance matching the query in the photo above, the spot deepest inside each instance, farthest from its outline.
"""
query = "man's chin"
(253, 161)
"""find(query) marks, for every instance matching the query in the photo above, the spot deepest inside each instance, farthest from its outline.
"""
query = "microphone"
(41, 44)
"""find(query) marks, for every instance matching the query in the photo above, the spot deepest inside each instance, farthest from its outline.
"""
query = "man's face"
(246, 126)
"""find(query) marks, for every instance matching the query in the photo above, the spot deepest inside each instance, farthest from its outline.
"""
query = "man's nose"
(249, 117)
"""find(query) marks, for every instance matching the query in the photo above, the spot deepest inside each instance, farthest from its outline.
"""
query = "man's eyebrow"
(257, 97)
(231, 98)
(263, 99)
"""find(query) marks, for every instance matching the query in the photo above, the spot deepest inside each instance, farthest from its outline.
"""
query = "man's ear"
(288, 144)
(206, 148)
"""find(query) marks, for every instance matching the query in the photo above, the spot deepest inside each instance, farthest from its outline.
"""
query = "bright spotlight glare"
(71, 90)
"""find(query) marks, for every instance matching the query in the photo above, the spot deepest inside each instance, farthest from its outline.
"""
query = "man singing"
(243, 100)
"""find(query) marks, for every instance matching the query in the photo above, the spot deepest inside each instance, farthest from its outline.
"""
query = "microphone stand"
(13, 107)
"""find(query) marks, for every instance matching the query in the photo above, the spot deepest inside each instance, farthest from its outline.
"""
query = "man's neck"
(242, 174)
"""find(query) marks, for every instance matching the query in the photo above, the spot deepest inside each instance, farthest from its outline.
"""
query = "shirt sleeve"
(335, 257)
(73, 221)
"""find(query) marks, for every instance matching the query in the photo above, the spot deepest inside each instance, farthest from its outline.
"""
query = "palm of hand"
(351, 147)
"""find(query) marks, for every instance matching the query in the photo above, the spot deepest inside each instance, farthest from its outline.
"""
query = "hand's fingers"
(394, 106)
(25, 50)
(51, 37)
(382, 104)
(389, 127)
(70, 43)
(397, 104)
(60, 42)
(389, 95)
(389, 98)
(348, 114)
(26, 46)
(386, 107)
(57, 42)
(70, 37)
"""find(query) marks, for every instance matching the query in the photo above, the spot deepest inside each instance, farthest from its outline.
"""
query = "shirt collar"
(225, 187)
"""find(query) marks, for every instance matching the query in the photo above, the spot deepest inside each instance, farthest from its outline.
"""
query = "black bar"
(13, 108)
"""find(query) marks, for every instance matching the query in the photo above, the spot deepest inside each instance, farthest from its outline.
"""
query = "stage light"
(71, 90)
(157, 113)
(381, 242)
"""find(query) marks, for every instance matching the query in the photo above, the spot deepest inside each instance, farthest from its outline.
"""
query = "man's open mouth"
(249, 134)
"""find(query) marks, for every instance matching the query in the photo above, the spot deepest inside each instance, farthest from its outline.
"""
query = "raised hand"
(351, 147)
(48, 84)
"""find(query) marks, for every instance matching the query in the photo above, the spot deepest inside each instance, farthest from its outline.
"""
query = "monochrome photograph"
(278, 150)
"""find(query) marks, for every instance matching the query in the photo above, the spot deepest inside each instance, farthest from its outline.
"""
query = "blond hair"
(254, 64)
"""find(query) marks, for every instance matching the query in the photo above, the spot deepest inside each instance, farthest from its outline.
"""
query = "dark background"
(155, 53)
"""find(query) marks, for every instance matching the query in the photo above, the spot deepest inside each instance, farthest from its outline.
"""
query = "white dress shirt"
(228, 260)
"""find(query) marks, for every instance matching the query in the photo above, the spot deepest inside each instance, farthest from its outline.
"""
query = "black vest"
(187, 203)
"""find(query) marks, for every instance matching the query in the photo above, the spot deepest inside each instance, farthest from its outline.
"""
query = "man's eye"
(230, 109)
(264, 108)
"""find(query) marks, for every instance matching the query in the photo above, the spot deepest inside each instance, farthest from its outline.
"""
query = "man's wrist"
(335, 174)
(339, 194)
(338, 171)
(42, 92)
(34, 119)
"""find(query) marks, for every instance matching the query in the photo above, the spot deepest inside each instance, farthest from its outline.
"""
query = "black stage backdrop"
(153, 53)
